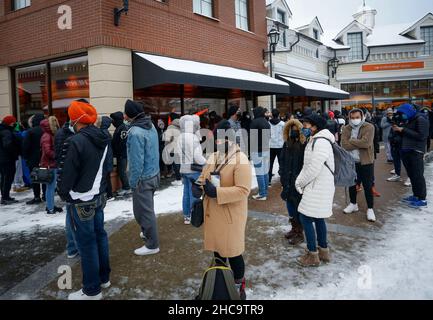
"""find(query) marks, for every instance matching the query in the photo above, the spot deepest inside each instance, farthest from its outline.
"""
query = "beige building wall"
(110, 77)
(5, 92)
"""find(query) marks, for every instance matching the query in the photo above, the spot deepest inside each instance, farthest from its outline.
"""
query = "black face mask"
(294, 134)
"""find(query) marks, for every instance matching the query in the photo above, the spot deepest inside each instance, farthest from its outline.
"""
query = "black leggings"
(275, 153)
(365, 175)
(237, 264)
(7, 172)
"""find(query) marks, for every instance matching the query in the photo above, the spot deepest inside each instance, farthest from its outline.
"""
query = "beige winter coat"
(226, 216)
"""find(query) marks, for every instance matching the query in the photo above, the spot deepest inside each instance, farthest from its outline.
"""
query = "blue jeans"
(92, 241)
(71, 246)
(51, 190)
(261, 162)
(293, 212)
(310, 233)
(188, 199)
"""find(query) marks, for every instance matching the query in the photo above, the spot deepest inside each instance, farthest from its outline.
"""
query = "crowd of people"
(212, 156)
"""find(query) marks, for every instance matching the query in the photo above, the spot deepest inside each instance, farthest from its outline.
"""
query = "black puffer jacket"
(260, 130)
(9, 145)
(31, 149)
(59, 139)
(120, 136)
(82, 162)
(415, 134)
(105, 125)
(292, 161)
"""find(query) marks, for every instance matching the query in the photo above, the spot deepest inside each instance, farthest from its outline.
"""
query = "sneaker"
(123, 193)
(418, 204)
(80, 295)
(51, 212)
(74, 255)
(409, 199)
(34, 201)
(392, 171)
(145, 251)
(187, 221)
(11, 200)
(259, 198)
(58, 209)
(394, 178)
(6, 202)
(371, 216)
(177, 183)
(407, 183)
(106, 285)
(351, 208)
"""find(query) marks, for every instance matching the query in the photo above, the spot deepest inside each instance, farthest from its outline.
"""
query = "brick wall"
(168, 29)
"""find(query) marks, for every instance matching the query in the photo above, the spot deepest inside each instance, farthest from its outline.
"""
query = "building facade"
(380, 66)
(54, 51)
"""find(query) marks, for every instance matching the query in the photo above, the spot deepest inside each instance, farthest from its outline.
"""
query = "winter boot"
(292, 232)
(241, 285)
(309, 259)
(298, 236)
(34, 201)
(324, 255)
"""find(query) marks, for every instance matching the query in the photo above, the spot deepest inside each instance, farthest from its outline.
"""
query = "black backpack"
(218, 283)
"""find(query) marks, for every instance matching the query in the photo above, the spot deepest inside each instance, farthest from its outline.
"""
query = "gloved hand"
(210, 190)
(284, 195)
(197, 191)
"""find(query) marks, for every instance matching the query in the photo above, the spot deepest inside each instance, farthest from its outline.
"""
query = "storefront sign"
(393, 66)
(80, 83)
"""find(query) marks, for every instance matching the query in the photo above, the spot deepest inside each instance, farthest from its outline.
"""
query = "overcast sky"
(335, 14)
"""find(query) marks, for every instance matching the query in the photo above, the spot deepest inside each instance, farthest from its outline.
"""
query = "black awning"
(306, 88)
(151, 70)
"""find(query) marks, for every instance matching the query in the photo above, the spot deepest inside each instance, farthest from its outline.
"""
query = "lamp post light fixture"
(334, 64)
(274, 38)
(118, 12)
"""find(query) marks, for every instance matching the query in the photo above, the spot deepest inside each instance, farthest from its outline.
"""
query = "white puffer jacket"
(316, 181)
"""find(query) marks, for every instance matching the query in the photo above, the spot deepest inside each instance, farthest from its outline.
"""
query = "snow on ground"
(397, 267)
(22, 218)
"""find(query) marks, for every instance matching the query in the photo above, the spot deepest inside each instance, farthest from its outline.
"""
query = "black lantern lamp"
(274, 38)
(334, 64)
(118, 12)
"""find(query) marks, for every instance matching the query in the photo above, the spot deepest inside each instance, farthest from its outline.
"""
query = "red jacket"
(47, 146)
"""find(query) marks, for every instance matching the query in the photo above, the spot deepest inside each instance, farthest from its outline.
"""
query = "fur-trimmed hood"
(288, 129)
(50, 125)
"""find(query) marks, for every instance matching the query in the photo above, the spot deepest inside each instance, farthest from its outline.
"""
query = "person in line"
(9, 152)
(226, 182)
(415, 132)
(386, 124)
(120, 151)
(82, 184)
(260, 153)
(234, 117)
(104, 123)
(395, 139)
(32, 155)
(170, 140)
(358, 139)
(48, 160)
(376, 143)
(292, 161)
(276, 143)
(316, 185)
(60, 149)
(144, 176)
(191, 160)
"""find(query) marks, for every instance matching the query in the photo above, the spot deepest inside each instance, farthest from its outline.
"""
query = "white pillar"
(110, 77)
(5, 92)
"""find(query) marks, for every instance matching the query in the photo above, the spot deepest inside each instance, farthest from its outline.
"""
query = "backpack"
(345, 168)
(218, 283)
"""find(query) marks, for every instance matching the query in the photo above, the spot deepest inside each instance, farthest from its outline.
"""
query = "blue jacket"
(143, 150)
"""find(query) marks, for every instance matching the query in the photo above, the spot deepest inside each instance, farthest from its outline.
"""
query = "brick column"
(5, 92)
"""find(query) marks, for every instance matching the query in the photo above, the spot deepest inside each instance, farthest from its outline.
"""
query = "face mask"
(294, 134)
(71, 128)
(306, 132)
(126, 122)
(356, 122)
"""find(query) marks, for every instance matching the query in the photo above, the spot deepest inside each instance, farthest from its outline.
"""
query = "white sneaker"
(394, 178)
(187, 221)
(371, 216)
(392, 171)
(144, 251)
(72, 256)
(259, 198)
(177, 183)
(351, 208)
(408, 183)
(106, 285)
(80, 295)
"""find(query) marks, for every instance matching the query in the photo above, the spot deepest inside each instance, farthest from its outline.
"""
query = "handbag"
(42, 175)
(197, 211)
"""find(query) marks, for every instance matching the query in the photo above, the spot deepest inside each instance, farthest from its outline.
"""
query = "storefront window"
(69, 81)
(31, 91)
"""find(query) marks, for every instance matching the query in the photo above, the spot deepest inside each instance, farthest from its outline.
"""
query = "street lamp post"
(274, 38)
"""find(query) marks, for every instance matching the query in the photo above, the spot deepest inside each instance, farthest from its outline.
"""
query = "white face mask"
(356, 122)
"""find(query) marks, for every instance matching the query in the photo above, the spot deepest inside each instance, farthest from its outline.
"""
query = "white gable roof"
(411, 27)
(389, 35)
